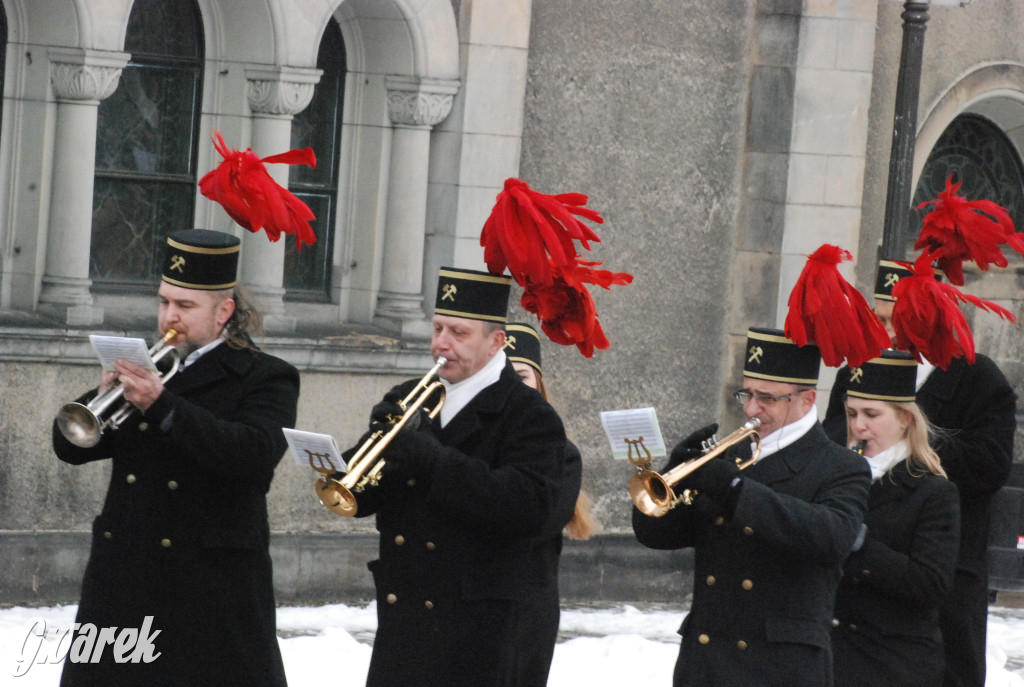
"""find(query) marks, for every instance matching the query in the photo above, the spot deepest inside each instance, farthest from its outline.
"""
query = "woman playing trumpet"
(886, 629)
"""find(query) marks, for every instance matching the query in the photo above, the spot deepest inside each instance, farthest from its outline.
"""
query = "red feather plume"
(534, 236)
(826, 310)
(958, 229)
(242, 185)
(530, 232)
(927, 318)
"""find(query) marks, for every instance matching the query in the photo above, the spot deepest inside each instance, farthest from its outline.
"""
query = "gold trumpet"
(83, 424)
(365, 464)
(653, 494)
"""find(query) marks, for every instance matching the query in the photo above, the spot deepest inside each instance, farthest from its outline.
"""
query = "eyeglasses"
(763, 400)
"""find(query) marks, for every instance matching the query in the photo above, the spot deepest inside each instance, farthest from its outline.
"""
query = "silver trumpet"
(83, 425)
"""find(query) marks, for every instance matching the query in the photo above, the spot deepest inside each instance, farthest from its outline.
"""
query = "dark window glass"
(145, 146)
(307, 273)
(976, 152)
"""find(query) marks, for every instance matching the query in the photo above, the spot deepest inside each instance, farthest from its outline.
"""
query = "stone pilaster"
(276, 95)
(80, 80)
(415, 106)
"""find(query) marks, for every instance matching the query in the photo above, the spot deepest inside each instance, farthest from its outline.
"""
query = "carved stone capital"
(280, 90)
(416, 101)
(85, 75)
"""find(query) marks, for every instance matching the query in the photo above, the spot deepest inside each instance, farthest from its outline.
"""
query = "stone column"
(415, 106)
(80, 79)
(276, 95)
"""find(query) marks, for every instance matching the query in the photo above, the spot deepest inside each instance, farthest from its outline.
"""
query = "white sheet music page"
(313, 450)
(111, 348)
(633, 424)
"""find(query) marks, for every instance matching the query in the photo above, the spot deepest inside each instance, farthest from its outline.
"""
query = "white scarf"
(885, 461)
(457, 395)
(787, 434)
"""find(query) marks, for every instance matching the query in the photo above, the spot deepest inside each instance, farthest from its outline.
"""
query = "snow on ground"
(605, 646)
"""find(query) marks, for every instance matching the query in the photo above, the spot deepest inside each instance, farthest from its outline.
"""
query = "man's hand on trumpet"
(691, 447)
(718, 480)
(141, 386)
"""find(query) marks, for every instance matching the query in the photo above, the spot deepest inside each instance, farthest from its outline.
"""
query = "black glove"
(691, 447)
(718, 479)
(412, 454)
(387, 411)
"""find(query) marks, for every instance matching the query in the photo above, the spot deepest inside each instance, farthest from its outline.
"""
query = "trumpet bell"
(639, 492)
(336, 497)
(79, 425)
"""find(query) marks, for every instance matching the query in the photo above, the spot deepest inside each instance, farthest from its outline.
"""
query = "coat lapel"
(488, 403)
(212, 368)
(789, 461)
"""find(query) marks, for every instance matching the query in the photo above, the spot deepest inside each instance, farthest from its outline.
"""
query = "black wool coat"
(974, 406)
(886, 629)
(540, 604)
(456, 545)
(183, 534)
(765, 579)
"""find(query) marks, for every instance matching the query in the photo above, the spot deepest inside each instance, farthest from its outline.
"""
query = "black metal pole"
(896, 229)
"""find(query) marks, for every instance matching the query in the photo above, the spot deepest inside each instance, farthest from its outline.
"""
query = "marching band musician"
(538, 626)
(973, 407)
(769, 541)
(460, 500)
(181, 547)
(886, 629)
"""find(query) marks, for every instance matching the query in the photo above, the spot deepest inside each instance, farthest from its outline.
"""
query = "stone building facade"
(721, 141)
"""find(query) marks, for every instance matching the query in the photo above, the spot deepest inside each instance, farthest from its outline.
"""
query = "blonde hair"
(919, 432)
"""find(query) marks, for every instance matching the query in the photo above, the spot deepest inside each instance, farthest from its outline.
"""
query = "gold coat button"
(172, 485)
(747, 584)
(710, 580)
(108, 535)
(166, 543)
(431, 546)
(143, 426)
(392, 598)
(130, 479)
(853, 627)
(835, 622)
(741, 645)
(703, 639)
(719, 521)
(748, 530)
(399, 540)
(411, 482)
(428, 605)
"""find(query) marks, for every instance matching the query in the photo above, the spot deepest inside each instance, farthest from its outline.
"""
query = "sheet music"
(633, 423)
(321, 447)
(111, 348)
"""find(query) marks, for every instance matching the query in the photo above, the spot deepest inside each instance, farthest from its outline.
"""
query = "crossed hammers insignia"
(510, 342)
(891, 278)
(855, 374)
(755, 354)
(178, 263)
(448, 292)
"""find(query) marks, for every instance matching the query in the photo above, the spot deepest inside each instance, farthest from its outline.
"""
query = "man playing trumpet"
(460, 501)
(769, 540)
(181, 548)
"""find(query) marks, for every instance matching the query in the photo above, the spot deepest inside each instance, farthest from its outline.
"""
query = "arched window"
(146, 146)
(307, 273)
(977, 152)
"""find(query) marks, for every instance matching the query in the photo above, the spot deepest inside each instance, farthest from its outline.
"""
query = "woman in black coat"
(537, 630)
(886, 628)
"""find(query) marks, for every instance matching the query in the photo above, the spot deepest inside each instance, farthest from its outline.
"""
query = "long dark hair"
(246, 322)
